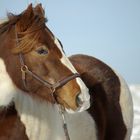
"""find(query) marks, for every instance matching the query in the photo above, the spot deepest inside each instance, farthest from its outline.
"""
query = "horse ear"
(25, 20)
(38, 10)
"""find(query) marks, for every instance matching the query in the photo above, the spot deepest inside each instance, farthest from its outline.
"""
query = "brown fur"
(104, 88)
(11, 127)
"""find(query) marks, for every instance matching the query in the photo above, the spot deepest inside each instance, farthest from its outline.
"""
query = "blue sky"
(106, 29)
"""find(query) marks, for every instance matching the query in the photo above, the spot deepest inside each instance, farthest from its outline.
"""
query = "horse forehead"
(58, 44)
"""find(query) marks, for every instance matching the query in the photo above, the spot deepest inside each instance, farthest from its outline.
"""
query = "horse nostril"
(78, 100)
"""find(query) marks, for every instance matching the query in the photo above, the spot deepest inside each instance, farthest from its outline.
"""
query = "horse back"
(108, 102)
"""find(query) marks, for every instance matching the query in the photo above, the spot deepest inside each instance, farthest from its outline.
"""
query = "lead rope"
(61, 111)
(62, 114)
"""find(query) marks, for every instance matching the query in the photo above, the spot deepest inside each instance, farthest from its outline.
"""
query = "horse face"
(44, 56)
(50, 63)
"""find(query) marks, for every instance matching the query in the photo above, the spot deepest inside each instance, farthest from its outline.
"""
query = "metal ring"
(24, 68)
(52, 90)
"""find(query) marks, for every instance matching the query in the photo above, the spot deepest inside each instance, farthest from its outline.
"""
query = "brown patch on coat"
(11, 127)
(104, 88)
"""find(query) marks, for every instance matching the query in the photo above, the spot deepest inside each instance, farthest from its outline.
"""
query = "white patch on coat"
(84, 95)
(43, 121)
(7, 89)
(126, 107)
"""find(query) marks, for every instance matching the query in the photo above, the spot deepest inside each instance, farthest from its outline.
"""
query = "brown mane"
(28, 31)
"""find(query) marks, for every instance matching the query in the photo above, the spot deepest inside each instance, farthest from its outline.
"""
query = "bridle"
(26, 71)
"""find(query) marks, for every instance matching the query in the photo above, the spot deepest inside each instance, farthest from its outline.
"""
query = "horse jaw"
(84, 95)
(7, 89)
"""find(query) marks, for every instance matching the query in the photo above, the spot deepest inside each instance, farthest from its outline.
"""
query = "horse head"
(29, 46)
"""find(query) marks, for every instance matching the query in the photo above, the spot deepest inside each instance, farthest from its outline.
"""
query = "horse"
(36, 77)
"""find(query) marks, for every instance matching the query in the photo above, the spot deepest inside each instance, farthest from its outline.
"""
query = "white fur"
(43, 121)
(84, 95)
(126, 107)
(7, 89)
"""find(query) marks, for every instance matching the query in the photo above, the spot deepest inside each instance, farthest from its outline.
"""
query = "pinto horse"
(36, 75)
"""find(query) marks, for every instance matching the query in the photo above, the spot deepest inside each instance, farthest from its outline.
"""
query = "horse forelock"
(28, 26)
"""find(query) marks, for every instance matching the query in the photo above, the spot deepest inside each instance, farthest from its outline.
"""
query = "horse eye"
(42, 51)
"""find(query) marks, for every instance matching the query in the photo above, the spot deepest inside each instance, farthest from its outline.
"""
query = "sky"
(106, 29)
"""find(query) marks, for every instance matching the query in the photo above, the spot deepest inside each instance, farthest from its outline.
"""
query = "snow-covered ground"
(135, 90)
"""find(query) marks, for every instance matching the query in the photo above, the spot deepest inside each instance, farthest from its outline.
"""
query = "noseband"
(25, 70)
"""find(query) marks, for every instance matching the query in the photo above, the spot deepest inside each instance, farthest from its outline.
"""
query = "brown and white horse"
(35, 74)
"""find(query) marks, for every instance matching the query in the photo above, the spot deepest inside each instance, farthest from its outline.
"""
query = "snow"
(135, 90)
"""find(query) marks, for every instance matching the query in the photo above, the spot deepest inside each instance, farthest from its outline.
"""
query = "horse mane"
(28, 27)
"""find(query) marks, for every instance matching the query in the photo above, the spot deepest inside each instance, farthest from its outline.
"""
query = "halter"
(25, 70)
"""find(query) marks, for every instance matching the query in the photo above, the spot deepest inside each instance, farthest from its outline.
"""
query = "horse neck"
(41, 119)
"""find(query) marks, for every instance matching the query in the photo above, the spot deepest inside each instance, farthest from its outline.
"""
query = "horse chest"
(43, 121)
